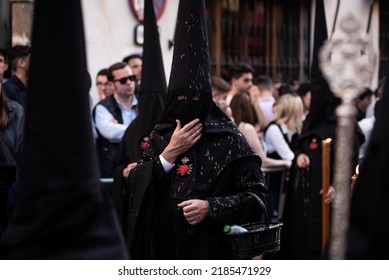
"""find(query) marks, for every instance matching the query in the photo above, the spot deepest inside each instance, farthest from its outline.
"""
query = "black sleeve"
(235, 205)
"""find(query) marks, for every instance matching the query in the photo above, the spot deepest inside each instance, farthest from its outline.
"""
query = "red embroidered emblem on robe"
(184, 168)
(143, 143)
(313, 144)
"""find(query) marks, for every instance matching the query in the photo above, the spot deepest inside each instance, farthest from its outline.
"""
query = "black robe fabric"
(220, 168)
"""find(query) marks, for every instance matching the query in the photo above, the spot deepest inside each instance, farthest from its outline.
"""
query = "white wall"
(109, 34)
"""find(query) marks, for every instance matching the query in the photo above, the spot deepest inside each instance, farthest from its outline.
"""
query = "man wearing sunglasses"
(135, 62)
(113, 114)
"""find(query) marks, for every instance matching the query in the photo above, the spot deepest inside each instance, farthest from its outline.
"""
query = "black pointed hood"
(319, 38)
(323, 102)
(61, 212)
(153, 73)
(153, 89)
(190, 72)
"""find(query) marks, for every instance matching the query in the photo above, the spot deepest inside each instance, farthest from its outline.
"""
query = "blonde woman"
(280, 137)
(286, 126)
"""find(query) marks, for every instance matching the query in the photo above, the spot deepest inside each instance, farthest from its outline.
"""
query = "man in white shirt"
(113, 114)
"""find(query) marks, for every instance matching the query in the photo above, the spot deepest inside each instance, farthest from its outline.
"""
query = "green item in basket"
(234, 229)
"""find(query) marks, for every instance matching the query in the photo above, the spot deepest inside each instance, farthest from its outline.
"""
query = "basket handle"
(262, 205)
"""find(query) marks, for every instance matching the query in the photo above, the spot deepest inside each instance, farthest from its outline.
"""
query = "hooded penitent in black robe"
(302, 231)
(151, 101)
(301, 237)
(219, 168)
(60, 211)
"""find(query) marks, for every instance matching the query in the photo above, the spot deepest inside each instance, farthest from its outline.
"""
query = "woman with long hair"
(280, 137)
(243, 116)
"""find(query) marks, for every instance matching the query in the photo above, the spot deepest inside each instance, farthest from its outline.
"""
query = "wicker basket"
(260, 239)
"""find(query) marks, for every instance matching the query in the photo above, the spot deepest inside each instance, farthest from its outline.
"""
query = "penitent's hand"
(302, 161)
(195, 210)
(126, 171)
(182, 139)
(330, 195)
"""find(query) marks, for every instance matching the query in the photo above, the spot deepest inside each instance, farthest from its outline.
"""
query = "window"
(272, 36)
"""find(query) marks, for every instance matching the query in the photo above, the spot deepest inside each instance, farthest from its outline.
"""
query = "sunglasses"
(122, 81)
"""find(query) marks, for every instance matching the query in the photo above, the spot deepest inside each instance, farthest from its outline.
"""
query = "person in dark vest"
(193, 176)
(113, 114)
